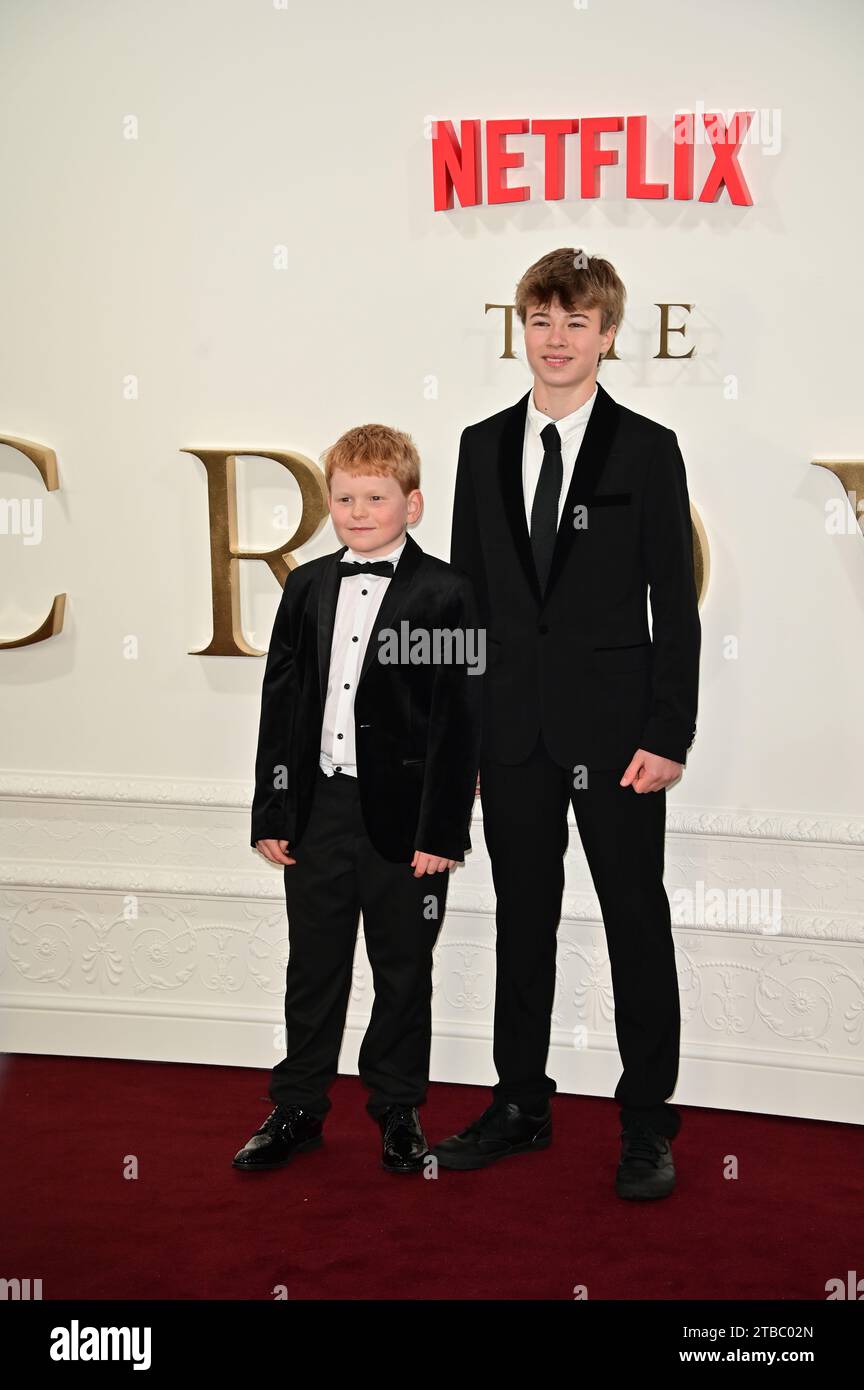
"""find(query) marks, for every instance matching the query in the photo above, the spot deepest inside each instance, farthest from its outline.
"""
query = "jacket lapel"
(328, 597)
(393, 599)
(593, 452)
(510, 451)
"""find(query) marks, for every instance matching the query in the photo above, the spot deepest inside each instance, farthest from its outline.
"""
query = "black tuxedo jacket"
(417, 726)
(577, 661)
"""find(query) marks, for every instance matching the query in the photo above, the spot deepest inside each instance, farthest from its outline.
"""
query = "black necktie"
(385, 567)
(544, 509)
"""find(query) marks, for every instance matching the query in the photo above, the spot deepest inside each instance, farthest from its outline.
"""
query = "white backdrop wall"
(261, 267)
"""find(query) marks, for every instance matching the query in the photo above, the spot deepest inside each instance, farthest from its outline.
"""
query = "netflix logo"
(479, 158)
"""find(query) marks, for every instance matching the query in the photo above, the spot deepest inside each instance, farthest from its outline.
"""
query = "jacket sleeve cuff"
(665, 742)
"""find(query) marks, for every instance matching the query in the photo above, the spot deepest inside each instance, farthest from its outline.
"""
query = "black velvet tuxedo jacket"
(578, 661)
(417, 726)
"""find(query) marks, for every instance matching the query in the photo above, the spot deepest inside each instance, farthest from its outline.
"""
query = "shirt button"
(337, 769)
(338, 735)
(364, 591)
(347, 686)
(355, 639)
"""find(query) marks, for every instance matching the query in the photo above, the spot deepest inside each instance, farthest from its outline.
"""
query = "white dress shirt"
(356, 609)
(572, 431)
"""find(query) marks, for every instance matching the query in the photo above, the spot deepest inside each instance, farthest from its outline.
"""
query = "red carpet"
(334, 1225)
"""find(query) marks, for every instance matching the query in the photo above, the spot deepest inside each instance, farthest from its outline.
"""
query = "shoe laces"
(282, 1115)
(643, 1146)
(489, 1116)
(403, 1114)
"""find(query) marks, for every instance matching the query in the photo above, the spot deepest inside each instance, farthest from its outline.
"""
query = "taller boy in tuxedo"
(364, 785)
(569, 509)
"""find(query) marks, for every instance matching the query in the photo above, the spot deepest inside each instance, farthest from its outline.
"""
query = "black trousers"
(623, 836)
(338, 874)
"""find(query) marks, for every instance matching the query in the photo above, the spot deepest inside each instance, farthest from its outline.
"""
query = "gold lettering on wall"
(701, 562)
(225, 551)
(508, 327)
(45, 462)
(611, 356)
(851, 475)
(666, 328)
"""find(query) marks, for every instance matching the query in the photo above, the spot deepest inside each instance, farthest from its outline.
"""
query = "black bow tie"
(385, 567)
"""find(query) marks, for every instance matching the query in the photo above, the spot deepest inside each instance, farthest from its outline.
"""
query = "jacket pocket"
(634, 657)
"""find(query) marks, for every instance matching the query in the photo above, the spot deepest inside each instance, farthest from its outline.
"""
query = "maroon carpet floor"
(333, 1224)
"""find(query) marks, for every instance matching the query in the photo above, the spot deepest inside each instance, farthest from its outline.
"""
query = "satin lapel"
(510, 451)
(328, 596)
(593, 452)
(392, 600)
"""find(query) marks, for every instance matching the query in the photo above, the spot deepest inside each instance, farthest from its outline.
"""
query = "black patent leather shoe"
(646, 1170)
(287, 1131)
(501, 1131)
(403, 1143)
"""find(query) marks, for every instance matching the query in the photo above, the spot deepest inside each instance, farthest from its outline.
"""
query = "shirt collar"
(391, 555)
(568, 423)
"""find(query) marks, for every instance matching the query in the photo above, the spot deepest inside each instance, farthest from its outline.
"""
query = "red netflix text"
(458, 162)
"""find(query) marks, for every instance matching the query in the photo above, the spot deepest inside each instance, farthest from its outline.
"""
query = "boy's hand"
(648, 772)
(275, 851)
(430, 863)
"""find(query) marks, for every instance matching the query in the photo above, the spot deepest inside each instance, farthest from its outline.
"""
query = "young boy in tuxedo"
(365, 774)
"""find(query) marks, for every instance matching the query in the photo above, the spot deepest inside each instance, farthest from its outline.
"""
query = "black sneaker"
(645, 1170)
(287, 1131)
(501, 1131)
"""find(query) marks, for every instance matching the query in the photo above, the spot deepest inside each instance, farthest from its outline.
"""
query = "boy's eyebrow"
(573, 313)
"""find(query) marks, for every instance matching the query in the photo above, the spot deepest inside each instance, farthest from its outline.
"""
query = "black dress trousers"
(338, 874)
(622, 834)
